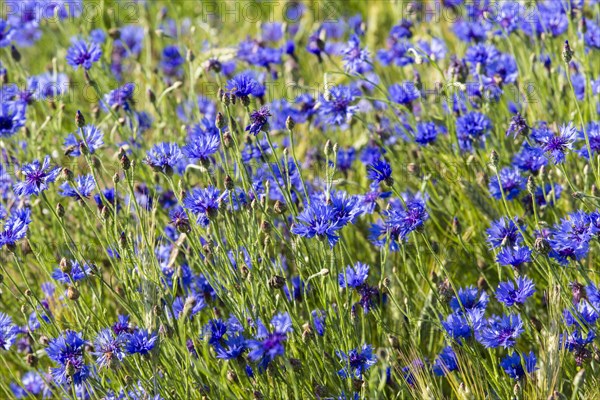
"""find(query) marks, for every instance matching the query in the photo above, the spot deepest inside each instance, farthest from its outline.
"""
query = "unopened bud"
(79, 119)
(60, 210)
(72, 293)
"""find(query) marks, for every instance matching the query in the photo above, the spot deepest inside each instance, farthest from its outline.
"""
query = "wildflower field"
(299, 200)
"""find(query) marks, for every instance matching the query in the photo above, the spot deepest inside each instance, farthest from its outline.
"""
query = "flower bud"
(79, 120)
(60, 210)
(72, 293)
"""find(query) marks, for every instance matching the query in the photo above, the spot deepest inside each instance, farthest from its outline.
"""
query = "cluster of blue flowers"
(189, 219)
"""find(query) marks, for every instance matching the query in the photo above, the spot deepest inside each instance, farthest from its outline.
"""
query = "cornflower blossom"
(356, 361)
(67, 351)
(93, 139)
(510, 295)
(513, 364)
(83, 54)
(501, 331)
(36, 177)
(266, 346)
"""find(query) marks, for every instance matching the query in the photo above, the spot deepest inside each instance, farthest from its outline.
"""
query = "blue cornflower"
(67, 351)
(109, 348)
(244, 85)
(583, 314)
(84, 186)
(380, 171)
(345, 158)
(8, 332)
(457, 326)
(481, 54)
(335, 107)
(141, 342)
(204, 203)
(571, 237)
(591, 36)
(501, 331)
(510, 295)
(93, 138)
(192, 305)
(471, 128)
(514, 256)
(163, 157)
(259, 120)
(513, 365)
(436, 50)
(593, 132)
(511, 183)
(319, 321)
(426, 133)
(347, 208)
(12, 118)
(267, 345)
(15, 227)
(558, 145)
(130, 41)
(122, 325)
(530, 158)
(504, 232)
(354, 277)
(36, 176)
(577, 344)
(76, 273)
(318, 220)
(356, 59)
(469, 299)
(398, 223)
(233, 347)
(517, 126)
(201, 144)
(121, 97)
(356, 362)
(32, 384)
(6, 33)
(404, 93)
(445, 362)
(84, 54)
(171, 61)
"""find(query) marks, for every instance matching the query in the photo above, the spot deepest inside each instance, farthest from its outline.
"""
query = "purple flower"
(514, 256)
(471, 128)
(93, 139)
(15, 227)
(201, 144)
(8, 332)
(558, 145)
(259, 120)
(75, 274)
(380, 171)
(267, 346)
(36, 176)
(67, 351)
(510, 295)
(163, 157)
(121, 97)
(501, 331)
(82, 53)
(513, 365)
(204, 203)
(171, 62)
(109, 348)
(398, 223)
(445, 362)
(141, 342)
(469, 299)
(354, 277)
(12, 118)
(318, 220)
(335, 106)
(404, 93)
(504, 232)
(244, 85)
(356, 362)
(356, 59)
(511, 183)
(84, 186)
